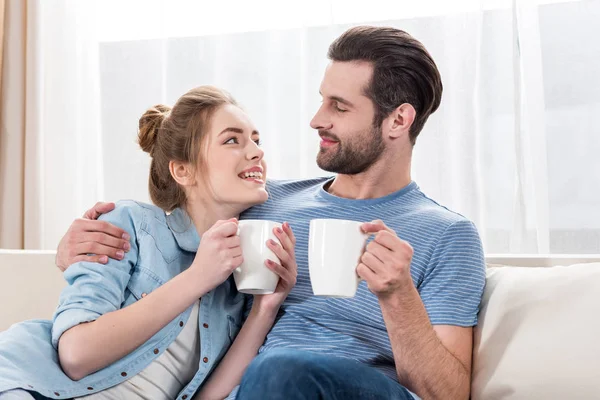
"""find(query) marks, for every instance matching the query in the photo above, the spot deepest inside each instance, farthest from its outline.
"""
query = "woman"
(156, 323)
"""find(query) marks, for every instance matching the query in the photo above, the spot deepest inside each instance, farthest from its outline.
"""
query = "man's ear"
(182, 172)
(400, 120)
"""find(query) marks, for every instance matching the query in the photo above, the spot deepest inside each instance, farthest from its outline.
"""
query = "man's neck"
(381, 179)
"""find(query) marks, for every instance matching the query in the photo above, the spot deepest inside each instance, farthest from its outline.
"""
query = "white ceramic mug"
(334, 251)
(253, 276)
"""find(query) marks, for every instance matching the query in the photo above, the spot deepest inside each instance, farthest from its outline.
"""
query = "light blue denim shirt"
(162, 246)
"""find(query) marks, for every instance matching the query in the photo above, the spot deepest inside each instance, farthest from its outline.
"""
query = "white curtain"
(50, 121)
(513, 147)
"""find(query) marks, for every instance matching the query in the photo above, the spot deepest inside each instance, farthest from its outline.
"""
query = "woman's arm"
(228, 373)
(91, 346)
(118, 333)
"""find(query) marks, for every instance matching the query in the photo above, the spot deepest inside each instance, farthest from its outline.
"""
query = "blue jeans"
(303, 375)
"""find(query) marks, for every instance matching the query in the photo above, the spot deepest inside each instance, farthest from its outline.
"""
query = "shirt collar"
(184, 230)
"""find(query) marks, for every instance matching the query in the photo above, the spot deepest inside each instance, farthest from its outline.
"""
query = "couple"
(134, 327)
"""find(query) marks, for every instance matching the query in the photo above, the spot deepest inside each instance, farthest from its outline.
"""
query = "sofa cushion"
(539, 334)
(29, 286)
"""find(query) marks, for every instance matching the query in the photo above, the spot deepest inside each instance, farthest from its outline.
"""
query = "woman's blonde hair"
(177, 134)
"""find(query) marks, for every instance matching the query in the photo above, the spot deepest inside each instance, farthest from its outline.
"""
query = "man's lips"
(326, 142)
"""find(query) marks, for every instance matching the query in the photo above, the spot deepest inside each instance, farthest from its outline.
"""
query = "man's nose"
(320, 121)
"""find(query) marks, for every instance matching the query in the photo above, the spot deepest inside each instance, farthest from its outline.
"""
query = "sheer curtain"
(513, 147)
(51, 156)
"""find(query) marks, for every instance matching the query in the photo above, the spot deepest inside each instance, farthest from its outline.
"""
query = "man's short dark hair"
(403, 71)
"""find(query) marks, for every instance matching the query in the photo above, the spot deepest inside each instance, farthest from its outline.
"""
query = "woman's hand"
(219, 254)
(287, 270)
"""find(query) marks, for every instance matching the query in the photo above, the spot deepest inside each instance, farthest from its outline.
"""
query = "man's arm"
(90, 240)
(432, 361)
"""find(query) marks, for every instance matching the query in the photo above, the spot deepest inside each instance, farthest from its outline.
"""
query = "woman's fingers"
(283, 256)
(286, 237)
(284, 274)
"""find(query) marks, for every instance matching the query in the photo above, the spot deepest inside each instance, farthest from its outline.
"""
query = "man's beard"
(354, 155)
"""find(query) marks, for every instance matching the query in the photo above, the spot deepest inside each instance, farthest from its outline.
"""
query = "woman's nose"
(255, 152)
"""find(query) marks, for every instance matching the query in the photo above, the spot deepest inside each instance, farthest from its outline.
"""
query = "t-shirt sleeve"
(455, 278)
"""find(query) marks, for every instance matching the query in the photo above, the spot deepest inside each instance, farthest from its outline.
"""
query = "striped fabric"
(448, 270)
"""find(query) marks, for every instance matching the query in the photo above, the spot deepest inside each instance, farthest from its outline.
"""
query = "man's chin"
(325, 165)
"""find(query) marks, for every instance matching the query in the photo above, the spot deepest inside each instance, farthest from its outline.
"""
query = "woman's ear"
(182, 173)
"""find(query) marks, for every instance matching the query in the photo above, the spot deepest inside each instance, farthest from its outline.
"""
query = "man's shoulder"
(430, 212)
(290, 187)
(429, 226)
(450, 232)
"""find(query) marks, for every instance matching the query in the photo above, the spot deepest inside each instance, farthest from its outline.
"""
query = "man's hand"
(385, 264)
(89, 236)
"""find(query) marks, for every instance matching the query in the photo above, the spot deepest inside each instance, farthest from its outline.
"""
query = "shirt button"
(155, 351)
(123, 374)
(180, 323)
(56, 394)
(184, 396)
(90, 388)
(205, 325)
(205, 359)
(144, 294)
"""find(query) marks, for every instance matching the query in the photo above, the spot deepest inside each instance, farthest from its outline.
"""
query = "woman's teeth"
(253, 175)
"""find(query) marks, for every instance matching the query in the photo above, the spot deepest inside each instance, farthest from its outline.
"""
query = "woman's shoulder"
(135, 207)
(170, 233)
(135, 216)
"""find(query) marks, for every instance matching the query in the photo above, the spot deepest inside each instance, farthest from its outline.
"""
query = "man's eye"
(258, 142)
(233, 140)
(338, 109)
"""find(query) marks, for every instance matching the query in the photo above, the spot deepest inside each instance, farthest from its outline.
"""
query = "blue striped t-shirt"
(448, 270)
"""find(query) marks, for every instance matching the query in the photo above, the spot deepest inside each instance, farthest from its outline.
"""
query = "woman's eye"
(233, 140)
(258, 142)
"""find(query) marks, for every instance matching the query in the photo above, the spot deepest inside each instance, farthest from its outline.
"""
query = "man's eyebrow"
(339, 100)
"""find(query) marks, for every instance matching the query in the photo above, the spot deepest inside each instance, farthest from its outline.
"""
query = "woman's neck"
(205, 214)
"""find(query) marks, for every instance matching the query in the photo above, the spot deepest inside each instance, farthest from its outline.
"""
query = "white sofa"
(538, 336)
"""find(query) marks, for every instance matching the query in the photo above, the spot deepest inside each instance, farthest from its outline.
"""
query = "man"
(408, 330)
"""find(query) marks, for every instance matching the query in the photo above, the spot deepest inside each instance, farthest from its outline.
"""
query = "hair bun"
(149, 125)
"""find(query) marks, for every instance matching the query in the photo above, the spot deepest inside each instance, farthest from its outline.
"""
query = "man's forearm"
(423, 364)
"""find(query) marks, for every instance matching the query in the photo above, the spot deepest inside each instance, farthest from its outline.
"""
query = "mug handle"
(366, 236)
(237, 233)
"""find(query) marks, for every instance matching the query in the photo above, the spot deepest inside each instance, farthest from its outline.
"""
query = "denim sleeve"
(95, 289)
(455, 278)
